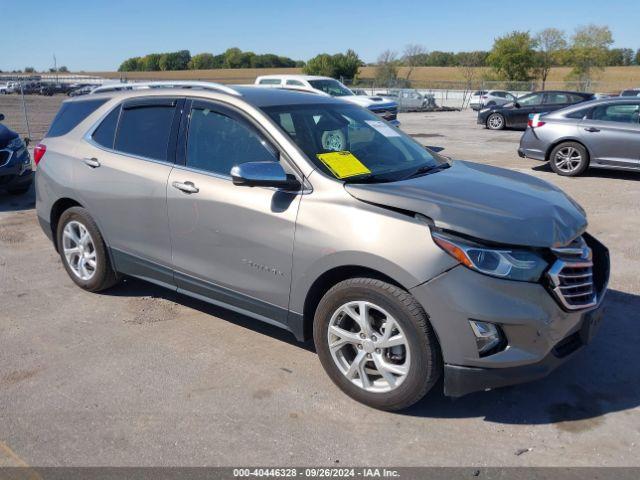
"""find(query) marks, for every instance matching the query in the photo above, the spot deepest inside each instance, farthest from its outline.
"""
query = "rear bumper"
(461, 380)
(531, 146)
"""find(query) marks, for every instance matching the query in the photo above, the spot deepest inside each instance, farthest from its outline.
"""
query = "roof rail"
(118, 87)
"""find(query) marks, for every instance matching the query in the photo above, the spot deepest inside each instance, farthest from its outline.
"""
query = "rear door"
(230, 243)
(612, 134)
(123, 176)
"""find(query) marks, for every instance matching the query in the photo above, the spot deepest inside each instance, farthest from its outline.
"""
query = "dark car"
(516, 114)
(16, 174)
(83, 90)
(50, 89)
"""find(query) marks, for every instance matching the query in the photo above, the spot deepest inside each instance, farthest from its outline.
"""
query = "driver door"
(230, 244)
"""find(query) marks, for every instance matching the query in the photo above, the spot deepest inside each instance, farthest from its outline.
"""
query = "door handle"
(92, 162)
(592, 129)
(186, 187)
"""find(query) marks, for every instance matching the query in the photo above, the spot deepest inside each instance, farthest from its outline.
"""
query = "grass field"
(610, 80)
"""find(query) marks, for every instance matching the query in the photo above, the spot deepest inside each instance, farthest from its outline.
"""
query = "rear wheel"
(495, 121)
(569, 159)
(83, 251)
(376, 343)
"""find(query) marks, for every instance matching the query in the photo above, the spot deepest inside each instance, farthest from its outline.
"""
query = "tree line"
(182, 60)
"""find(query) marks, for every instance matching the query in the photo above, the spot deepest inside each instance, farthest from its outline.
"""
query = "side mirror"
(27, 141)
(516, 104)
(263, 174)
(1, 117)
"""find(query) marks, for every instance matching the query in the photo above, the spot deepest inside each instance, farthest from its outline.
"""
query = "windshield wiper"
(423, 170)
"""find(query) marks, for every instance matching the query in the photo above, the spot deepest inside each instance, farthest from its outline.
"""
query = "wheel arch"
(57, 209)
(328, 279)
(553, 145)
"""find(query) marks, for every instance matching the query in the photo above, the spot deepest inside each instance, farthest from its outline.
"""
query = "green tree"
(150, 63)
(589, 52)
(336, 66)
(174, 60)
(637, 57)
(513, 56)
(63, 69)
(29, 70)
(132, 64)
(550, 43)
(203, 61)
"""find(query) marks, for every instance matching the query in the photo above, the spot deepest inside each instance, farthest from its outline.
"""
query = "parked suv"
(383, 107)
(312, 214)
(490, 98)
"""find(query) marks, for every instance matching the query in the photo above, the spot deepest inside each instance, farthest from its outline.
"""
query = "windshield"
(332, 87)
(350, 143)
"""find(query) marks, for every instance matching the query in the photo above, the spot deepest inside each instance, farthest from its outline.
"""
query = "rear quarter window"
(105, 133)
(71, 114)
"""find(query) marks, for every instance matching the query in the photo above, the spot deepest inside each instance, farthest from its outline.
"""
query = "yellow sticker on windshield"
(343, 164)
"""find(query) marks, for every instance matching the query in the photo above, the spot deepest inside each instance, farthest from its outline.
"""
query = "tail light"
(38, 152)
(535, 122)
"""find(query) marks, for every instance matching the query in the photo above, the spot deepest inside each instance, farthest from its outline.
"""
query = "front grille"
(5, 157)
(568, 345)
(571, 276)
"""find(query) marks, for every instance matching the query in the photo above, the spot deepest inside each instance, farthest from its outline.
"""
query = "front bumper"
(460, 380)
(17, 171)
(483, 114)
(540, 334)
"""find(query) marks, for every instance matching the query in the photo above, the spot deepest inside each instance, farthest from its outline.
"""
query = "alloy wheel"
(568, 159)
(369, 346)
(79, 250)
(495, 121)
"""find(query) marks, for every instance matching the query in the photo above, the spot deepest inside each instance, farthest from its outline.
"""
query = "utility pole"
(55, 67)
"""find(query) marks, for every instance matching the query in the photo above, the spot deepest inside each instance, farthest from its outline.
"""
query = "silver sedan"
(599, 134)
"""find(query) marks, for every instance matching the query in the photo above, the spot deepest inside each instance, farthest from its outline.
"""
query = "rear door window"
(71, 114)
(144, 128)
(105, 134)
(621, 113)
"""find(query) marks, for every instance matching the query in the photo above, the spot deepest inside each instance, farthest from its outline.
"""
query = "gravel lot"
(141, 376)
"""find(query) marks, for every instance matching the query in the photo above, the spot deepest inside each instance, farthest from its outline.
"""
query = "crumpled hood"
(367, 102)
(485, 202)
(6, 135)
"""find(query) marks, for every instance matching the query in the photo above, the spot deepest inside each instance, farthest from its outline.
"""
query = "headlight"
(513, 264)
(15, 144)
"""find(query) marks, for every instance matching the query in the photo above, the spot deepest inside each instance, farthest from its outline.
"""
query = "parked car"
(385, 109)
(49, 89)
(83, 90)
(490, 98)
(632, 92)
(409, 99)
(401, 265)
(599, 134)
(516, 115)
(3, 89)
(16, 175)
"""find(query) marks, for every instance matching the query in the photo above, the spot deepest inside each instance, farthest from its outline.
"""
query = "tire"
(101, 274)
(569, 159)
(419, 357)
(495, 121)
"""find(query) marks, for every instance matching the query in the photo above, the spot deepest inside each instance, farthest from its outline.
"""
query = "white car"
(490, 98)
(385, 109)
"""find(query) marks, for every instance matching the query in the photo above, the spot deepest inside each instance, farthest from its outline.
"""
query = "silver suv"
(314, 215)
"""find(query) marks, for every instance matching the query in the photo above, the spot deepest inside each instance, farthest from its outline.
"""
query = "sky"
(98, 35)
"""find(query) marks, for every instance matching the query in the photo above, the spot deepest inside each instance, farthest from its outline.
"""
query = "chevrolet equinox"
(315, 215)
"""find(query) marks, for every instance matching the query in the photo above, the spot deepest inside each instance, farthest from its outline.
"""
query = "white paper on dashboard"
(382, 127)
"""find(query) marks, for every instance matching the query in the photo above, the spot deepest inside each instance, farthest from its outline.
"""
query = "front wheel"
(569, 159)
(376, 343)
(495, 122)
